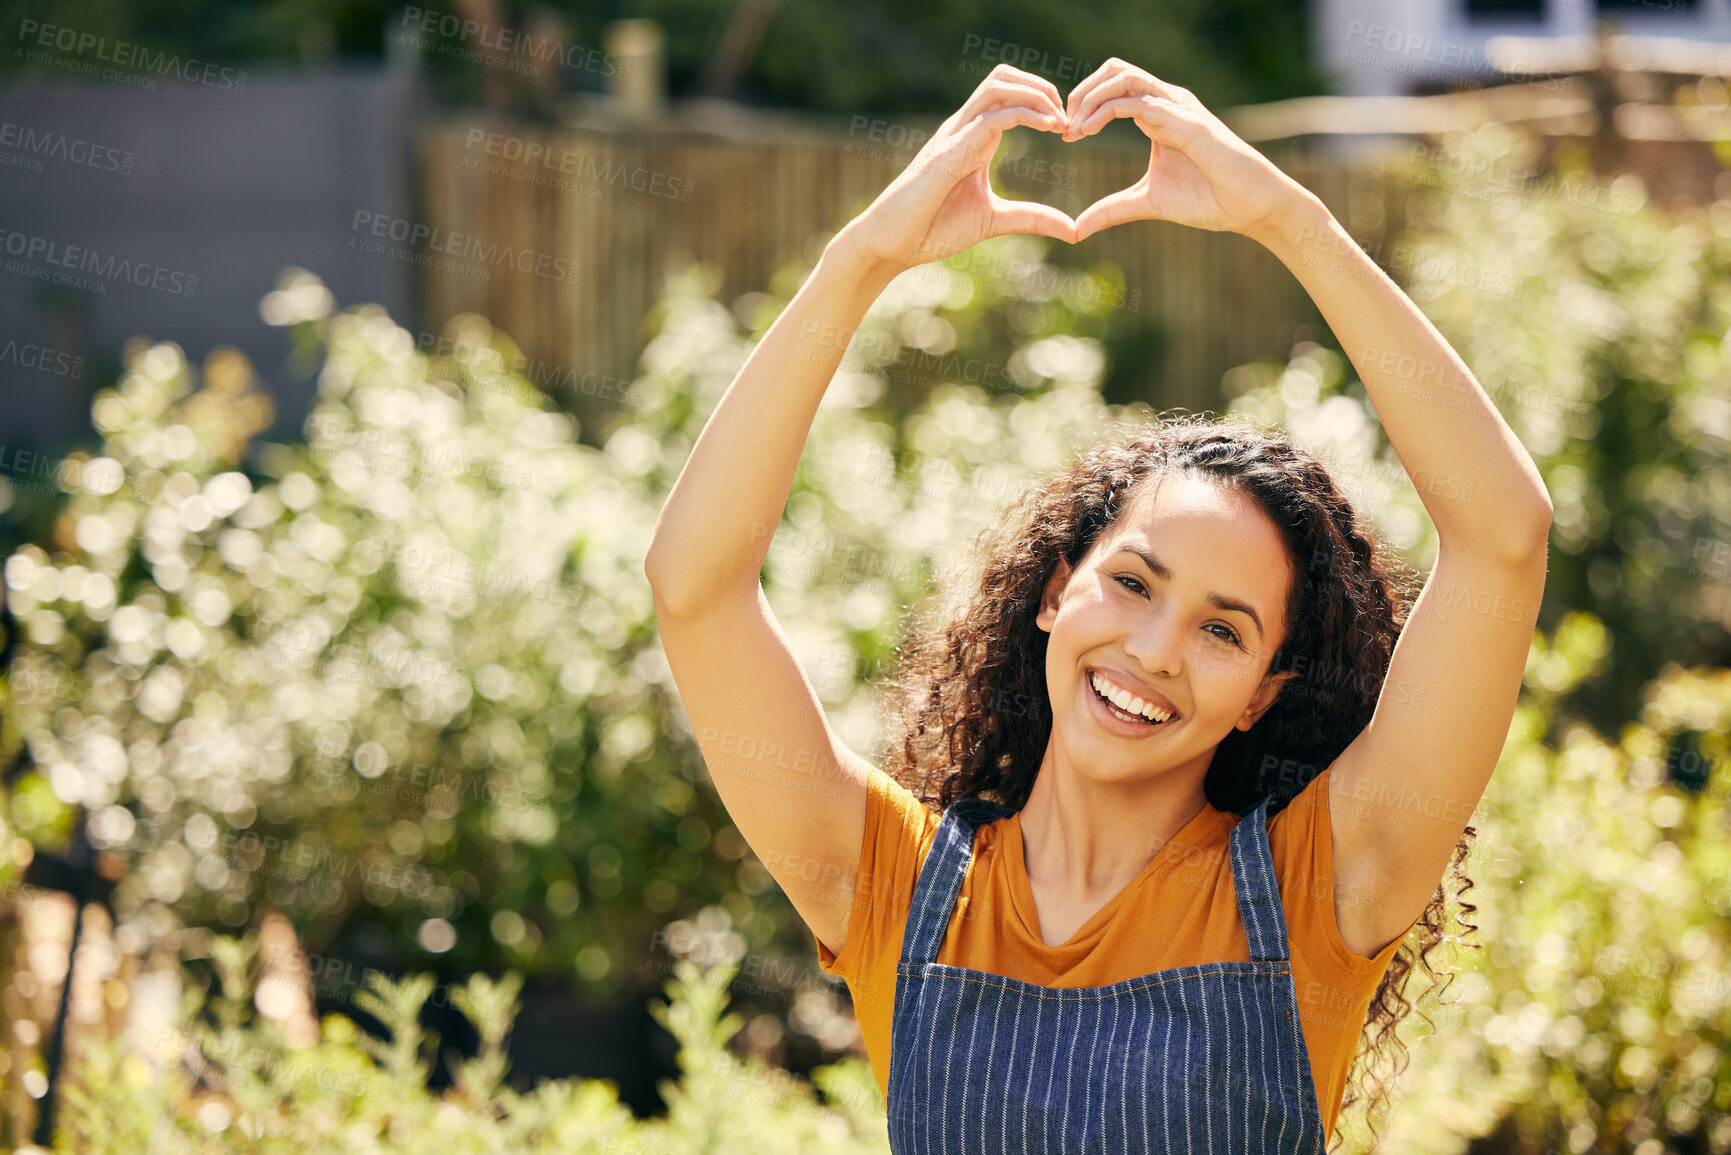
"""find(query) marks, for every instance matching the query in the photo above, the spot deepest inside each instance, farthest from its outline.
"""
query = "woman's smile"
(1116, 720)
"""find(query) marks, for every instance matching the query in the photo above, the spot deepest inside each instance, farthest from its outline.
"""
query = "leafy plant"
(1597, 323)
(401, 682)
(1597, 1018)
(234, 1085)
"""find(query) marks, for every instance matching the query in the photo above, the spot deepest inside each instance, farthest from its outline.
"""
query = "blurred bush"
(1601, 326)
(400, 682)
(1598, 1016)
(224, 1079)
(401, 675)
(1596, 1020)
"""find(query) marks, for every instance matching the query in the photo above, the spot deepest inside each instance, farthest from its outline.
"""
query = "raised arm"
(795, 792)
(1405, 789)
(740, 472)
(1439, 420)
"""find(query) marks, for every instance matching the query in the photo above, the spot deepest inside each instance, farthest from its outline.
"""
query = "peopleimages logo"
(39, 357)
(418, 22)
(121, 54)
(444, 249)
(87, 260)
(31, 146)
(596, 173)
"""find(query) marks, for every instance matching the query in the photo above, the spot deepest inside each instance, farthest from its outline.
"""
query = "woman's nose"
(1154, 645)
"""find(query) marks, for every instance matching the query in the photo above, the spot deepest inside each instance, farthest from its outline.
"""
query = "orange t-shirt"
(1164, 918)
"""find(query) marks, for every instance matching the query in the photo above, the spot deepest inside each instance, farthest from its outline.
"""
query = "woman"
(1077, 936)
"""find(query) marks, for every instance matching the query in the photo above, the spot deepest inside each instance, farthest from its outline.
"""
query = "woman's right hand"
(942, 202)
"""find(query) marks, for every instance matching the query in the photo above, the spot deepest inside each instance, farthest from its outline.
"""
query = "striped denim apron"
(1205, 1059)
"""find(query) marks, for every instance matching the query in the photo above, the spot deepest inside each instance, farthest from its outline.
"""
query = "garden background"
(335, 729)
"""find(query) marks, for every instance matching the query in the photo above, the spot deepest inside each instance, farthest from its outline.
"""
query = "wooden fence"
(628, 204)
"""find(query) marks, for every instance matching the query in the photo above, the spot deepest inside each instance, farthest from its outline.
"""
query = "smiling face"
(1182, 602)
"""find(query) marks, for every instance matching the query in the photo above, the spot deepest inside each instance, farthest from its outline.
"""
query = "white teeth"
(1127, 701)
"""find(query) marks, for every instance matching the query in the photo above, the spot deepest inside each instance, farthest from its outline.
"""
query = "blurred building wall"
(170, 211)
(1394, 47)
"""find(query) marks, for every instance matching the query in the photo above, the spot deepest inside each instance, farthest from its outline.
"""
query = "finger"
(1007, 85)
(1010, 216)
(1132, 83)
(972, 145)
(1010, 93)
(1158, 118)
(1127, 83)
(1003, 96)
(996, 120)
(1018, 76)
(1127, 204)
(1107, 71)
(1176, 93)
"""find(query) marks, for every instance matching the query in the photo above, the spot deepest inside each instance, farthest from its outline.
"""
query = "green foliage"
(1624, 321)
(882, 55)
(410, 663)
(901, 55)
(1597, 1015)
(1596, 1018)
(234, 1086)
(224, 640)
(406, 664)
(967, 378)
(1598, 324)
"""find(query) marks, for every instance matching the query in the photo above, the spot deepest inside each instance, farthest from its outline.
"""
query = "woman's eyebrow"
(1215, 598)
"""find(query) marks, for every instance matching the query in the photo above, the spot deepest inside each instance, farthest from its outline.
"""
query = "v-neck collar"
(1022, 892)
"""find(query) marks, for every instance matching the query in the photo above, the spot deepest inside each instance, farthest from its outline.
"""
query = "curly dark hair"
(969, 701)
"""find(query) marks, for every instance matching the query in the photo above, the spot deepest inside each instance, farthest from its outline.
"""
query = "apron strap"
(952, 851)
(940, 881)
(1257, 888)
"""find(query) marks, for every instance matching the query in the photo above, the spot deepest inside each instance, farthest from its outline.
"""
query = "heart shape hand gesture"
(1199, 172)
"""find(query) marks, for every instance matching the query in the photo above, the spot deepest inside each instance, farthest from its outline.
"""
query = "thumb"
(1121, 207)
(1011, 216)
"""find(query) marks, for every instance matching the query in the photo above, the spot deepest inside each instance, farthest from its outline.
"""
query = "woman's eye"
(1229, 635)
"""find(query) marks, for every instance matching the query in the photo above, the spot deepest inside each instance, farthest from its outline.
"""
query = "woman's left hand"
(1199, 172)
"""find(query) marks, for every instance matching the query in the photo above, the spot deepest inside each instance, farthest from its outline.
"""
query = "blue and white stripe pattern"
(1200, 1060)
